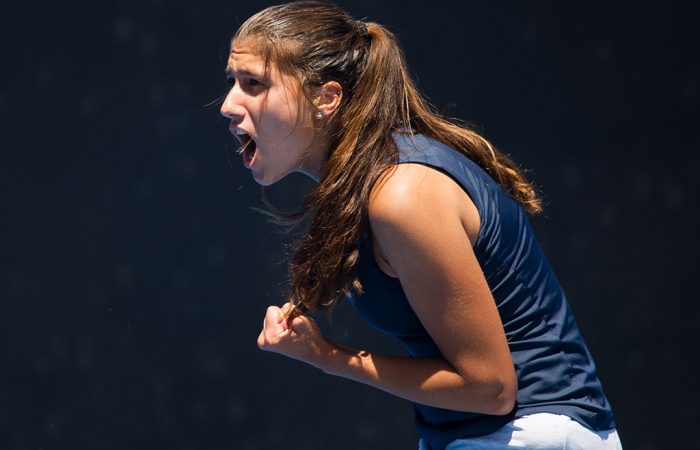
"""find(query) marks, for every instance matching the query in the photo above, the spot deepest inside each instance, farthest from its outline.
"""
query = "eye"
(252, 82)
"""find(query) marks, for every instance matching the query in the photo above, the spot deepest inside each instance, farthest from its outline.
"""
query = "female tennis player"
(423, 226)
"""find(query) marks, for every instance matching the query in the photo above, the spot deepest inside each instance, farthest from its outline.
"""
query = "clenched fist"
(299, 338)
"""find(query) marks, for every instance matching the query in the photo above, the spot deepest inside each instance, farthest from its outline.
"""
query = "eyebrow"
(229, 71)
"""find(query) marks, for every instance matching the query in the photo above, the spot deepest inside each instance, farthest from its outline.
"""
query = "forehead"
(245, 58)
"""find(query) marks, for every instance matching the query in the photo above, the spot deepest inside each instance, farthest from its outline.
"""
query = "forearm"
(429, 381)
(483, 385)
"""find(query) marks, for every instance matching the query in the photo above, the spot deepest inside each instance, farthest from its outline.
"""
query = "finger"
(290, 311)
(271, 336)
(272, 316)
(286, 308)
(302, 325)
(274, 324)
(261, 340)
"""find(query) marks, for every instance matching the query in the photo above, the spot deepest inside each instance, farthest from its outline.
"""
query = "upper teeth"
(241, 133)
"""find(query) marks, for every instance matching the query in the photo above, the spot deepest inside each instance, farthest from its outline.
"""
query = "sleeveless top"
(554, 368)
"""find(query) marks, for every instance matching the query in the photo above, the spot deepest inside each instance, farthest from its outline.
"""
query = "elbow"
(504, 404)
(495, 397)
(504, 396)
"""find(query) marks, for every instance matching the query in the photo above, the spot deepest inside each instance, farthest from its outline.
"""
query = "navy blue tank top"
(554, 368)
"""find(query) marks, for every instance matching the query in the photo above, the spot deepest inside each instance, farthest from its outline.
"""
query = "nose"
(232, 107)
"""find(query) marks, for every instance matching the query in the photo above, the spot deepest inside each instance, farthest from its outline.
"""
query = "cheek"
(289, 113)
(287, 109)
(284, 122)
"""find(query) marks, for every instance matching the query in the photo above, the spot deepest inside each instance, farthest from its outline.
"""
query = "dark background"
(135, 276)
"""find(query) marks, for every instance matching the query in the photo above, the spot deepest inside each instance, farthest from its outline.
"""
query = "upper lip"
(237, 132)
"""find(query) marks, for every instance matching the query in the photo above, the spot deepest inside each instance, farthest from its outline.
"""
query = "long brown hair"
(317, 42)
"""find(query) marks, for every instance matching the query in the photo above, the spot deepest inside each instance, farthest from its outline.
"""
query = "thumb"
(303, 325)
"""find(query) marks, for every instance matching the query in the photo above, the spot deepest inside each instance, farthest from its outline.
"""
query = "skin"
(272, 110)
(423, 225)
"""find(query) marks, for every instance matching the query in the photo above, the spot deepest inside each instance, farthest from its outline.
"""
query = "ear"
(328, 97)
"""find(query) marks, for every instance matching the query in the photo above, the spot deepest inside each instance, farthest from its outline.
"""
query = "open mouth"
(248, 147)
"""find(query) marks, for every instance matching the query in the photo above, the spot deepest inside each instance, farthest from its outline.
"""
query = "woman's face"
(271, 118)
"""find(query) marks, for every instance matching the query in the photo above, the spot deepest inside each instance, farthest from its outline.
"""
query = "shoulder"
(410, 197)
(407, 186)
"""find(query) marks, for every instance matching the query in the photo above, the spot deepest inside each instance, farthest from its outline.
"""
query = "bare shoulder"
(410, 186)
(415, 196)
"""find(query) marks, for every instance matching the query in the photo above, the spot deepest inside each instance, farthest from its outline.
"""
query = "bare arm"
(418, 223)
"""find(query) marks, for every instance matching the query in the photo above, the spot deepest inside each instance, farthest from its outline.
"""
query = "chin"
(266, 180)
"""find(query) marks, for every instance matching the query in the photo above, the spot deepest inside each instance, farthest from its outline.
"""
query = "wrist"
(341, 362)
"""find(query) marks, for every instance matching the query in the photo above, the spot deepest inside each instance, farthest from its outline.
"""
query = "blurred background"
(134, 275)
